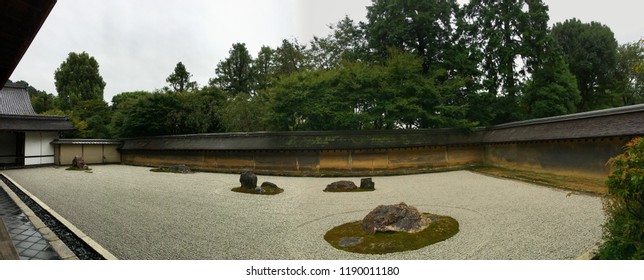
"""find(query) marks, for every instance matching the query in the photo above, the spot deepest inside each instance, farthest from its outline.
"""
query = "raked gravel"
(138, 214)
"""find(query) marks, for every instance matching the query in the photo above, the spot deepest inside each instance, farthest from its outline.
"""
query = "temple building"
(25, 137)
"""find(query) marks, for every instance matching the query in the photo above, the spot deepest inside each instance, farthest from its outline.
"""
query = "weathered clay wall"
(316, 163)
(91, 153)
(585, 158)
(577, 145)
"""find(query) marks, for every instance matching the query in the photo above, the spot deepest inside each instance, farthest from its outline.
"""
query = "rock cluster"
(79, 163)
(399, 217)
(346, 186)
(248, 180)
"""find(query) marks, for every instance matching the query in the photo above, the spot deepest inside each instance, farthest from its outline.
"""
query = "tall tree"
(552, 89)
(347, 42)
(234, 74)
(422, 27)
(289, 58)
(590, 50)
(263, 68)
(629, 75)
(508, 31)
(179, 80)
(78, 79)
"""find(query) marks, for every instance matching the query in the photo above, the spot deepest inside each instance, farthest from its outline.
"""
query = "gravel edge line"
(73, 229)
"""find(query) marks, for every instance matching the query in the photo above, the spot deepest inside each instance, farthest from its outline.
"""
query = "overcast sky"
(137, 43)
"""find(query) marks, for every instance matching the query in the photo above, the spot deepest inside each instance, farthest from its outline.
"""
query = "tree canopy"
(590, 49)
(410, 65)
(179, 80)
(78, 79)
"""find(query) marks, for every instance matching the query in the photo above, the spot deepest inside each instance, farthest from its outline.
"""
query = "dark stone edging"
(81, 249)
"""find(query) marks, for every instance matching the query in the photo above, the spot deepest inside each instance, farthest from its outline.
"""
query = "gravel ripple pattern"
(138, 214)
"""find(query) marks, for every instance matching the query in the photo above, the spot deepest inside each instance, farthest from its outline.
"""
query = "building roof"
(14, 100)
(20, 21)
(17, 114)
(87, 141)
(35, 123)
(617, 122)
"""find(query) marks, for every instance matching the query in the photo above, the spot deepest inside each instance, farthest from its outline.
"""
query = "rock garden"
(392, 228)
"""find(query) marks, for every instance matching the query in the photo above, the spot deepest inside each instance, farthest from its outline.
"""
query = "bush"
(624, 229)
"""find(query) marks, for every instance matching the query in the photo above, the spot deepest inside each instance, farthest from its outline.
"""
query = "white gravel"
(138, 214)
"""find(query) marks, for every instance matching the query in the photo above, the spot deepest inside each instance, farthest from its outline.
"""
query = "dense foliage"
(624, 230)
(412, 64)
(78, 79)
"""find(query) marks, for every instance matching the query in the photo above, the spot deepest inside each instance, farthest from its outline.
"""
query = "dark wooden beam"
(20, 21)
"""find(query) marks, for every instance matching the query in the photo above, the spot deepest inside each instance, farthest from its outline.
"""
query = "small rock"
(350, 241)
(400, 217)
(248, 180)
(259, 189)
(181, 168)
(367, 184)
(341, 186)
(269, 185)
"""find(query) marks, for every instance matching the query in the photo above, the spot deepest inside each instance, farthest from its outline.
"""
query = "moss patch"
(348, 191)
(169, 171)
(267, 190)
(550, 180)
(349, 237)
(73, 168)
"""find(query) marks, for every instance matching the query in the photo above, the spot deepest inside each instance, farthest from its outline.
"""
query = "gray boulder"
(341, 186)
(248, 180)
(400, 217)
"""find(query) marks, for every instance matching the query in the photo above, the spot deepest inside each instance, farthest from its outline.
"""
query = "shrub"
(624, 205)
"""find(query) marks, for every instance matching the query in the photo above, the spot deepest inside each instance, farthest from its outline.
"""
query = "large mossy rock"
(399, 217)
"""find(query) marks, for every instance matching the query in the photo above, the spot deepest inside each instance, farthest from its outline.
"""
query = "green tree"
(179, 80)
(40, 100)
(359, 95)
(508, 31)
(624, 228)
(78, 79)
(629, 78)
(234, 74)
(263, 68)
(289, 58)
(91, 119)
(590, 49)
(149, 116)
(552, 90)
(121, 104)
(244, 113)
(347, 42)
(424, 28)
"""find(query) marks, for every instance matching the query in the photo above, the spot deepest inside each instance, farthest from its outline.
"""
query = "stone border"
(591, 254)
(57, 244)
